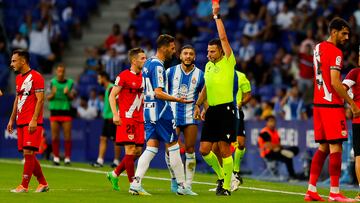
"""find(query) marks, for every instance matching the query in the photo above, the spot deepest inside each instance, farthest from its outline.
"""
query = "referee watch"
(217, 16)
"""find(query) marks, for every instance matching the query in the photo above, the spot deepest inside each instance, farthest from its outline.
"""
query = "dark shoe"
(223, 192)
(219, 185)
(113, 165)
(96, 165)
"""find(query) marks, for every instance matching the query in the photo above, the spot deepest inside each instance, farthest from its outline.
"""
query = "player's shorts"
(27, 140)
(130, 132)
(356, 138)
(109, 129)
(240, 125)
(219, 124)
(162, 130)
(330, 124)
(60, 116)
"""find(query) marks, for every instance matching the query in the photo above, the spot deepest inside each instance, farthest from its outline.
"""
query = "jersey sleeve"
(120, 80)
(232, 60)
(245, 85)
(336, 60)
(39, 83)
(350, 78)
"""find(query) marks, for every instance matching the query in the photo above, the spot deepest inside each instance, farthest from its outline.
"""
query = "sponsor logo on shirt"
(338, 60)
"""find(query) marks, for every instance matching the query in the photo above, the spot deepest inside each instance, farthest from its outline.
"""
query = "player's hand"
(184, 101)
(216, 8)
(355, 110)
(66, 90)
(10, 127)
(32, 126)
(203, 113)
(197, 112)
(116, 120)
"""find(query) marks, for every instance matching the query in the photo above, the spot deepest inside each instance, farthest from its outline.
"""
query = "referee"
(219, 125)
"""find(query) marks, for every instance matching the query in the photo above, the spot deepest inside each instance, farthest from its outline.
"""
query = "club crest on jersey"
(193, 81)
(131, 136)
(343, 133)
(338, 60)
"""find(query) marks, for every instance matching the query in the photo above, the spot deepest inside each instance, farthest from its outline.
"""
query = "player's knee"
(204, 151)
(241, 146)
(189, 150)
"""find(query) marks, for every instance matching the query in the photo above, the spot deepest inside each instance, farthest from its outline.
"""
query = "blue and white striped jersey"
(155, 77)
(188, 85)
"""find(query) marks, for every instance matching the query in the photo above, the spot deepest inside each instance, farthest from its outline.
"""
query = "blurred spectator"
(246, 50)
(168, 7)
(19, 42)
(189, 30)
(270, 146)
(204, 9)
(56, 43)
(293, 105)
(166, 25)
(234, 10)
(308, 41)
(258, 67)
(119, 46)
(252, 110)
(131, 36)
(148, 48)
(40, 46)
(112, 63)
(86, 112)
(113, 37)
(27, 25)
(72, 22)
(257, 8)
(93, 61)
(306, 70)
(94, 101)
(274, 7)
(276, 100)
(267, 109)
(252, 27)
(357, 17)
(285, 17)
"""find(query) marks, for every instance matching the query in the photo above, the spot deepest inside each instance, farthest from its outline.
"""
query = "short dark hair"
(338, 24)
(164, 40)
(104, 75)
(217, 42)
(22, 53)
(270, 117)
(134, 52)
(187, 46)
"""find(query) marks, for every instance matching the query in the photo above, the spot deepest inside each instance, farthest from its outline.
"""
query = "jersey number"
(319, 78)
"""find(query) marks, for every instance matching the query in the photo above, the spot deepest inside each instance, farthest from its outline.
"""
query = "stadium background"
(271, 39)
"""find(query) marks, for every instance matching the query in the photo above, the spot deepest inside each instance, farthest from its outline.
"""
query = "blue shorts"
(162, 130)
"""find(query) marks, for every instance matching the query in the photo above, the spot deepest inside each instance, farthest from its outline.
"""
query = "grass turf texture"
(82, 183)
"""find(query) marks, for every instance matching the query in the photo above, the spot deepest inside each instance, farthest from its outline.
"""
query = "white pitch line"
(153, 178)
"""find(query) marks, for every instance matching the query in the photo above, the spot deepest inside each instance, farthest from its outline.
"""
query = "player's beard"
(189, 64)
(341, 46)
(15, 71)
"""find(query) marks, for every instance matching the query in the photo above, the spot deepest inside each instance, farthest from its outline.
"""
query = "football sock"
(55, 147)
(190, 166)
(334, 171)
(228, 168)
(212, 161)
(238, 155)
(120, 168)
(28, 169)
(100, 160)
(176, 163)
(67, 147)
(38, 172)
(129, 166)
(143, 164)
(316, 167)
(167, 160)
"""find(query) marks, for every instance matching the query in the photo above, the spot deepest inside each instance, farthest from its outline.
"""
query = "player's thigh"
(55, 129)
(334, 123)
(190, 135)
(32, 140)
(356, 138)
(165, 130)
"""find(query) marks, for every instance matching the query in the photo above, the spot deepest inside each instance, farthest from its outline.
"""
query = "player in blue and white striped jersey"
(159, 121)
(186, 80)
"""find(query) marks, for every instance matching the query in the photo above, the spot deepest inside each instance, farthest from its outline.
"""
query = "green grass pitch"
(82, 183)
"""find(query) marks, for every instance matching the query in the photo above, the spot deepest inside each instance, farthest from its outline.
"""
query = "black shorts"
(109, 129)
(240, 125)
(219, 124)
(356, 138)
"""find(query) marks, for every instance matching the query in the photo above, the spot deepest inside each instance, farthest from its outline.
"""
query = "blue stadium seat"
(269, 50)
(267, 92)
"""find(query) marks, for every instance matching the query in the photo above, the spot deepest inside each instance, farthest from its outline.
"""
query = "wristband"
(216, 16)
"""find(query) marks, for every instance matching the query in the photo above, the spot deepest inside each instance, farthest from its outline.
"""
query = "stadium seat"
(269, 50)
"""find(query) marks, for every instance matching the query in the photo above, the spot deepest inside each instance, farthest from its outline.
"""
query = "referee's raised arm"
(221, 30)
